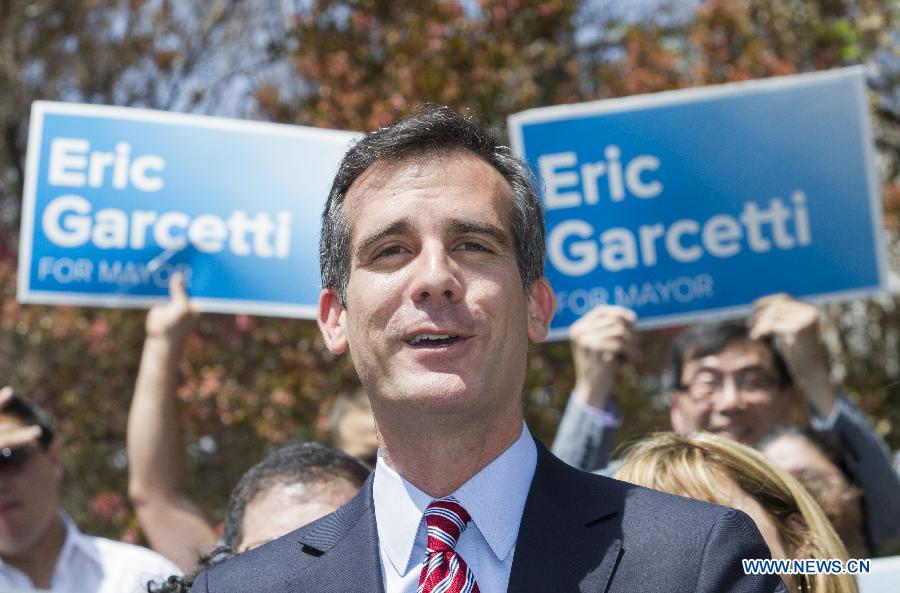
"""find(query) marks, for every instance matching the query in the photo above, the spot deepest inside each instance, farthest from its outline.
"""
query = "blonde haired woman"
(707, 467)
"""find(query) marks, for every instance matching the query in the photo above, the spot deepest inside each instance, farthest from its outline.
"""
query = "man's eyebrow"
(750, 368)
(467, 227)
(755, 368)
(401, 227)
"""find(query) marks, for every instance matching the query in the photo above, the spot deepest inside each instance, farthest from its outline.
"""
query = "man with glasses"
(40, 546)
(741, 380)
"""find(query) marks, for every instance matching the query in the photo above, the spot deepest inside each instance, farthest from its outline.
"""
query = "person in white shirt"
(40, 546)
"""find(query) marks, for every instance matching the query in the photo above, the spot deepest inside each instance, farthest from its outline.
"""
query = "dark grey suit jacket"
(579, 533)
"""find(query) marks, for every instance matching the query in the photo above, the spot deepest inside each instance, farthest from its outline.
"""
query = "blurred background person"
(40, 545)
(817, 463)
(719, 470)
(741, 380)
(352, 426)
(294, 485)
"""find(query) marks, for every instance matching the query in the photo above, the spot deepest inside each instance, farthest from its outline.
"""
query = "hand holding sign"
(794, 325)
(172, 320)
(601, 340)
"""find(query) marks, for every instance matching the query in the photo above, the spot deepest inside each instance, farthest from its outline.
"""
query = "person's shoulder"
(261, 569)
(637, 507)
(632, 500)
(123, 554)
(126, 567)
(687, 543)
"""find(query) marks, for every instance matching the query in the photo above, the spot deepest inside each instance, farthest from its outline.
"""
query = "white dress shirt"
(89, 564)
(495, 499)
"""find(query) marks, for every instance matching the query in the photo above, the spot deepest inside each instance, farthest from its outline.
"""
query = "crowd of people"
(432, 274)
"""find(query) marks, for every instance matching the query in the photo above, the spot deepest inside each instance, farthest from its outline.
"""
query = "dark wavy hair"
(292, 463)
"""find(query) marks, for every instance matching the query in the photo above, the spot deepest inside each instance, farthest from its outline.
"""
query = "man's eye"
(472, 246)
(388, 251)
(707, 379)
(755, 381)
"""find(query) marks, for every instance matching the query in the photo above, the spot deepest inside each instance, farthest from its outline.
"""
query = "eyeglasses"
(752, 383)
(14, 458)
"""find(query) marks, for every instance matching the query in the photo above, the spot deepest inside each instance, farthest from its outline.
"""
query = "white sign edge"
(679, 96)
(26, 227)
(201, 304)
(189, 119)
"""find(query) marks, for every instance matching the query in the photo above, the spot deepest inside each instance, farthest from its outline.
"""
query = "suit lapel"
(344, 547)
(569, 539)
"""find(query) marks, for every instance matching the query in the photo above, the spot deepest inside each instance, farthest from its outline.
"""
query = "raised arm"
(172, 523)
(600, 341)
(794, 325)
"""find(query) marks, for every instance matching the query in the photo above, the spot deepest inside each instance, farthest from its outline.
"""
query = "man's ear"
(541, 304)
(331, 318)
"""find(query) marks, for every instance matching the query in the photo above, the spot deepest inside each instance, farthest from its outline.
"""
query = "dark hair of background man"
(292, 463)
(706, 339)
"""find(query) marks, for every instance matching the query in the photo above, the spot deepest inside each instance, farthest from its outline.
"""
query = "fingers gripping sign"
(601, 340)
(786, 319)
(794, 326)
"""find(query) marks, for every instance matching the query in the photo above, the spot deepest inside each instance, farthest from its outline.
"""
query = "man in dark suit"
(432, 266)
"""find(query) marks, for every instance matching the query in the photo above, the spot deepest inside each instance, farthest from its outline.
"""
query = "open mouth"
(433, 340)
(734, 432)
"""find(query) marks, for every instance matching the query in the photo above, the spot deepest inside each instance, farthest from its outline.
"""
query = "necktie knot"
(444, 571)
(445, 520)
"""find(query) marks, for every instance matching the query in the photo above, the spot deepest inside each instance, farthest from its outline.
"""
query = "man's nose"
(729, 396)
(435, 276)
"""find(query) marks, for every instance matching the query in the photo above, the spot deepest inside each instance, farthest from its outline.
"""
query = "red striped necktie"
(444, 570)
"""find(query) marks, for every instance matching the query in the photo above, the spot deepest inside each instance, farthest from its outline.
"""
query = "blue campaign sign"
(118, 199)
(690, 204)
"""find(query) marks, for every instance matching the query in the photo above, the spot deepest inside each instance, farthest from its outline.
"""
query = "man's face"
(802, 459)
(734, 393)
(29, 496)
(436, 316)
(282, 508)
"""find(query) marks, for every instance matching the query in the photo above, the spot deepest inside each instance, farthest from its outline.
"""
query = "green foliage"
(358, 64)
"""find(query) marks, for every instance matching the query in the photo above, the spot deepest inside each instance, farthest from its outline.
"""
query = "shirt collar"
(76, 541)
(494, 497)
